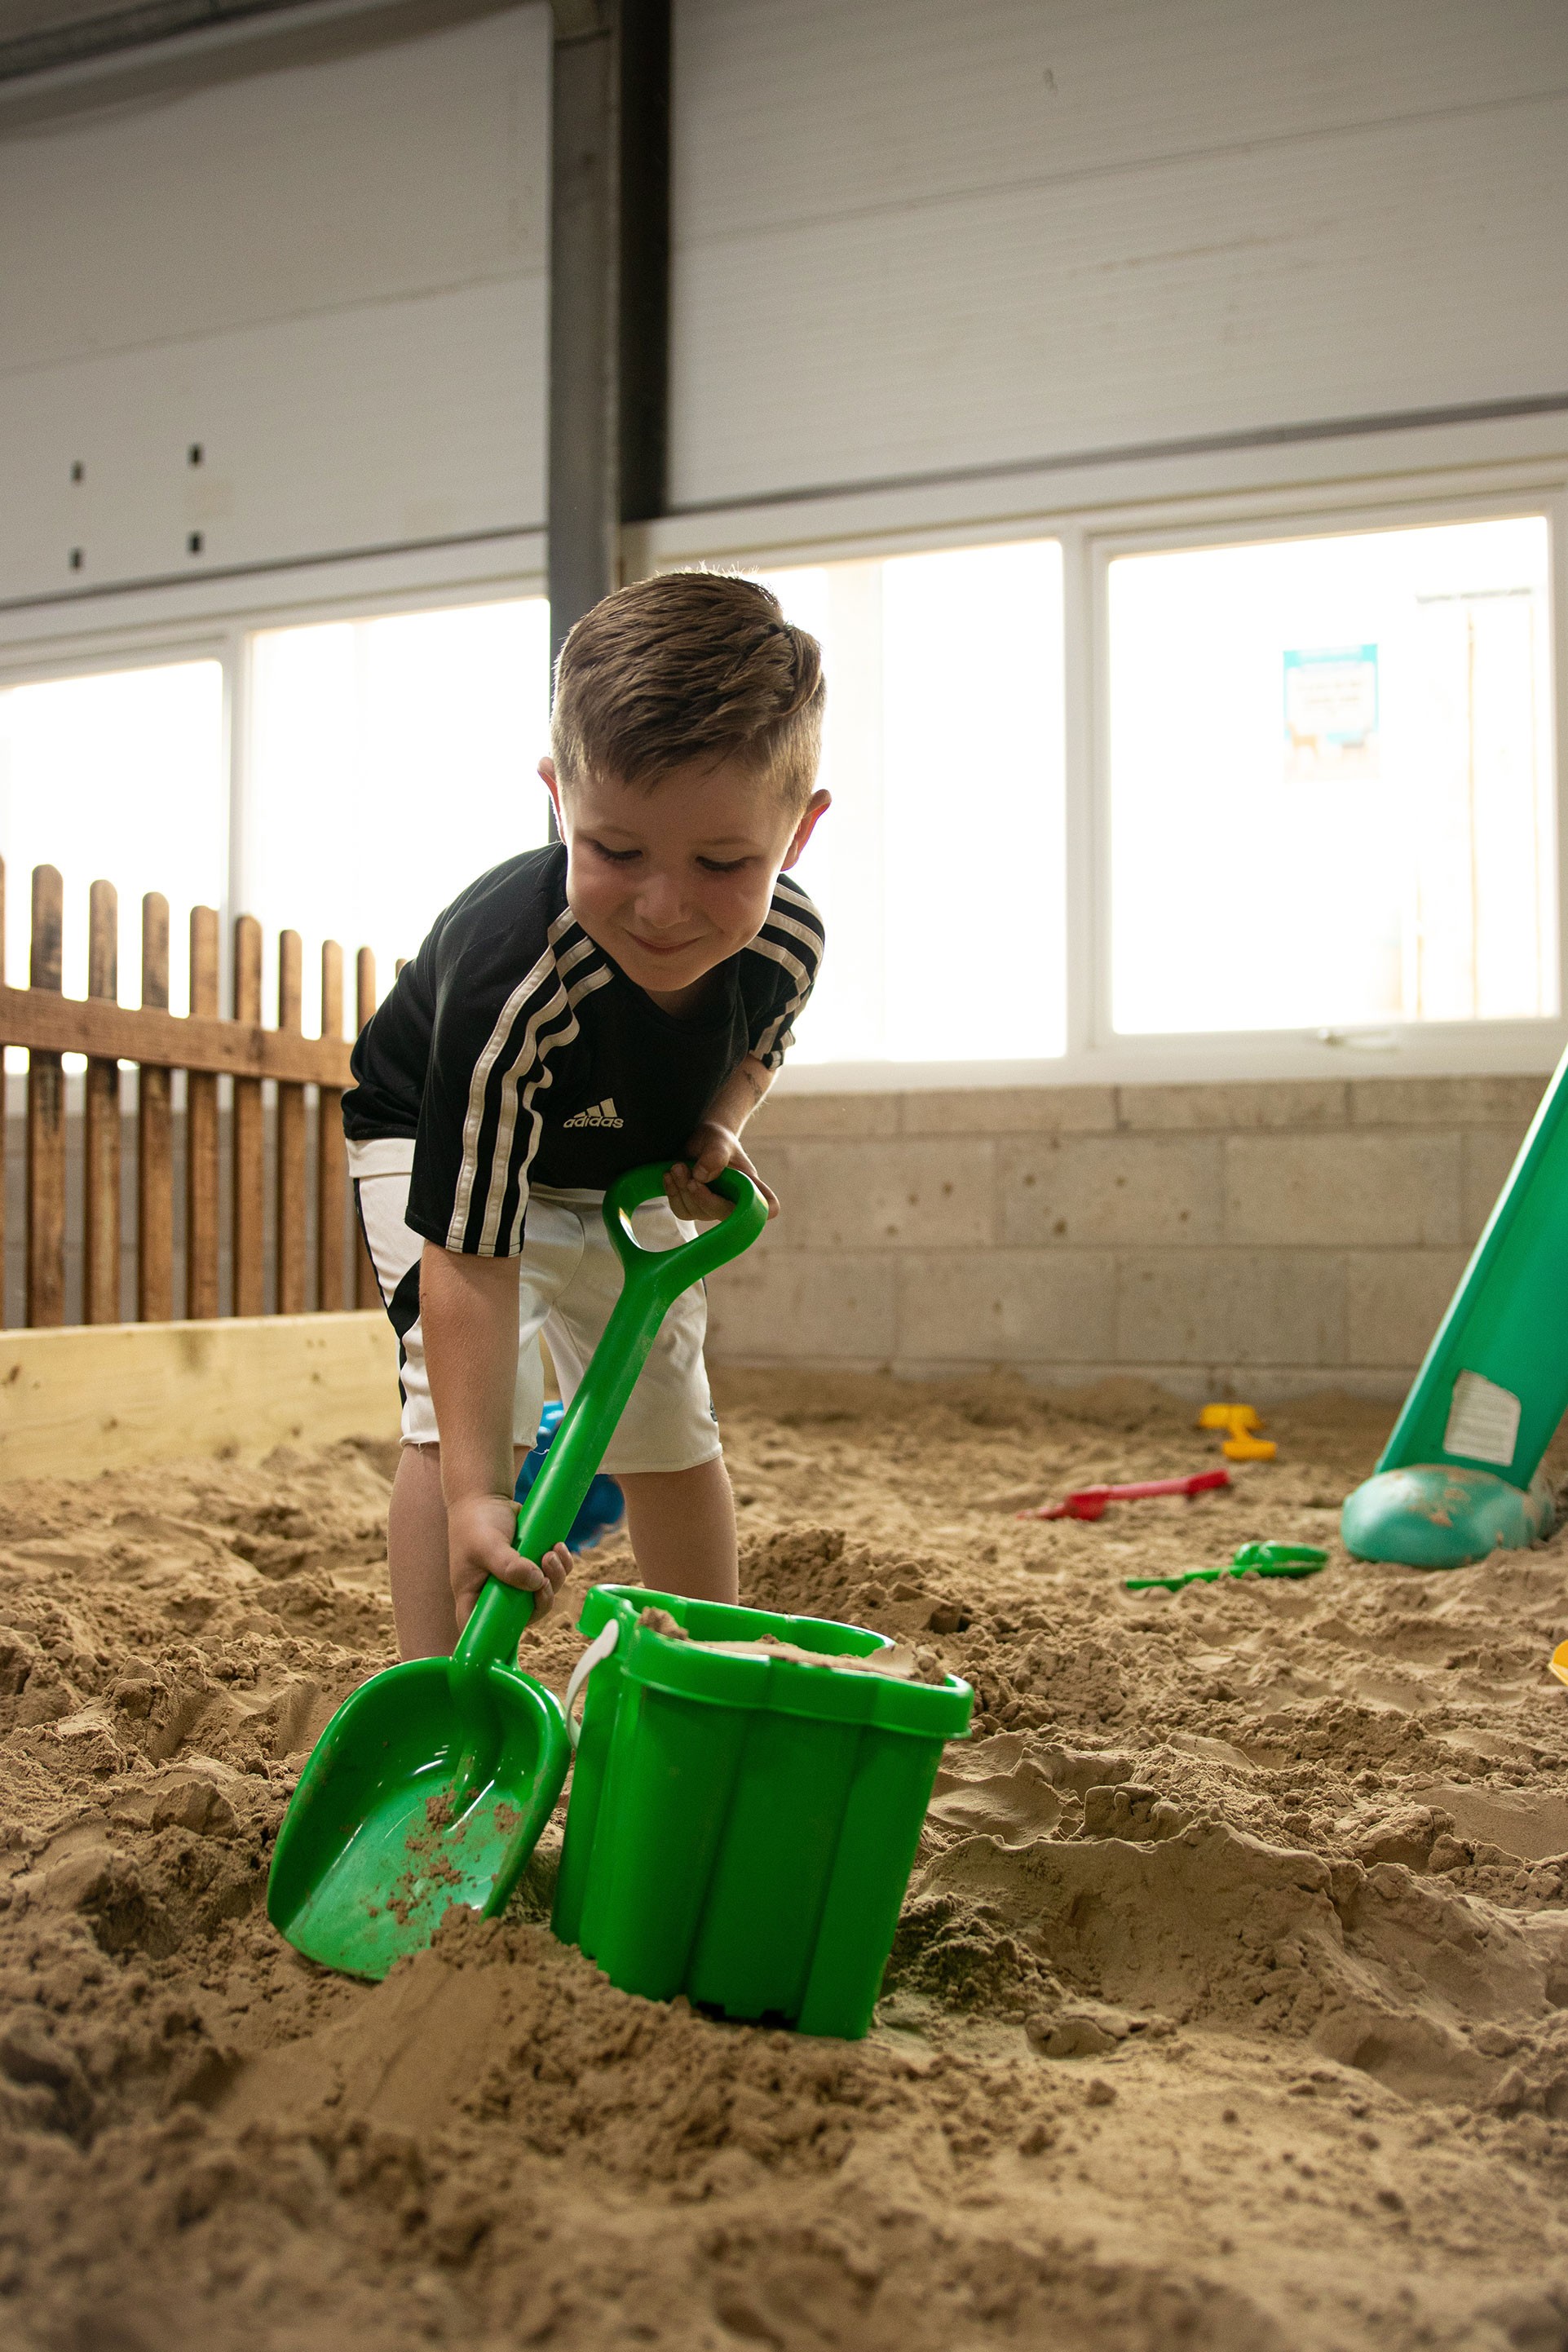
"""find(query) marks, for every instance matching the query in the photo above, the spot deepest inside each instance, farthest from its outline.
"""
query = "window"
(1332, 798)
(1313, 795)
(119, 777)
(939, 870)
(392, 761)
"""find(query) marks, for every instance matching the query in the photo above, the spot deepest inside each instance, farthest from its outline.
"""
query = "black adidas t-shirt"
(514, 1050)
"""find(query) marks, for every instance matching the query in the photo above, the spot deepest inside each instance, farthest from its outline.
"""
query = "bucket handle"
(600, 1647)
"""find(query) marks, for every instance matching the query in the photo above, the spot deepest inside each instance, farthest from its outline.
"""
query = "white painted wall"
(920, 235)
(912, 237)
(321, 256)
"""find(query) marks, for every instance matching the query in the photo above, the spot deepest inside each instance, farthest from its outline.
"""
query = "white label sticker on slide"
(1483, 1421)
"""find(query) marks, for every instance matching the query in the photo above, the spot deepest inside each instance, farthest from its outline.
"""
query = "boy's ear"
(819, 803)
(551, 783)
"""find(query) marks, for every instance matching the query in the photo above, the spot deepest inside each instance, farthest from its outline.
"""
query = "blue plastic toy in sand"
(605, 1504)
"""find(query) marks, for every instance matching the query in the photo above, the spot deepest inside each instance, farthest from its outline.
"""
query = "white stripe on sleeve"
(542, 974)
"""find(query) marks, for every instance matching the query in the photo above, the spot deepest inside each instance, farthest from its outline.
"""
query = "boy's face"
(672, 881)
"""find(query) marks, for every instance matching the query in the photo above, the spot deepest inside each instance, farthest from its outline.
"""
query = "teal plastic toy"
(742, 1829)
(1461, 1474)
(432, 1783)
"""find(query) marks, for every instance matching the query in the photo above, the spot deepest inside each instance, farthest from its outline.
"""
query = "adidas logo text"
(603, 1114)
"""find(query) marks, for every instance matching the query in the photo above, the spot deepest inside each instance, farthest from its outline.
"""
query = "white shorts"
(569, 1280)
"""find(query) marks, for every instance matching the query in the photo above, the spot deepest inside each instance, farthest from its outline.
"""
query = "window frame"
(89, 635)
(94, 657)
(1409, 477)
(1429, 1047)
(1292, 485)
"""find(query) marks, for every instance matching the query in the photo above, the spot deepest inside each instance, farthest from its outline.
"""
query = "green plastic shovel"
(1252, 1559)
(432, 1783)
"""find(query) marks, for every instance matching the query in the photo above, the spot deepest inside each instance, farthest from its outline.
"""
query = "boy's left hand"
(710, 1148)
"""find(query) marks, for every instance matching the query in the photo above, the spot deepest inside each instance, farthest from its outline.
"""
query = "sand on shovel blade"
(378, 1849)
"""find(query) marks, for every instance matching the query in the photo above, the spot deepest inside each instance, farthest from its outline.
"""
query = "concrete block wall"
(1269, 1237)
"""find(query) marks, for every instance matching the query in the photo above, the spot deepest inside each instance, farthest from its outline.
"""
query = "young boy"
(624, 995)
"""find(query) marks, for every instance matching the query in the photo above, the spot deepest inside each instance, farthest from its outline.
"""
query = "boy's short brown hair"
(689, 665)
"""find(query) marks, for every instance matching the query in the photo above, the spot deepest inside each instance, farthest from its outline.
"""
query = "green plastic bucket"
(742, 1830)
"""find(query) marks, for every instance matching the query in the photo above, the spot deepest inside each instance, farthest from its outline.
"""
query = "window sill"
(1437, 1049)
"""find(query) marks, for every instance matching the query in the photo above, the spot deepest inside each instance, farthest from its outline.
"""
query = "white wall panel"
(333, 434)
(916, 235)
(328, 274)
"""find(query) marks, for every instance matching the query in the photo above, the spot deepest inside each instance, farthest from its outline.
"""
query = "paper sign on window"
(1331, 713)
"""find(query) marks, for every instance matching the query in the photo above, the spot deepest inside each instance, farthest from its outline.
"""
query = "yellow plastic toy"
(1557, 1664)
(1239, 1421)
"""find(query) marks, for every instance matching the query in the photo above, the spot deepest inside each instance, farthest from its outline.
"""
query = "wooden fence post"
(202, 1131)
(48, 1026)
(367, 1289)
(290, 1224)
(46, 1120)
(331, 1159)
(249, 1138)
(154, 1135)
(100, 1140)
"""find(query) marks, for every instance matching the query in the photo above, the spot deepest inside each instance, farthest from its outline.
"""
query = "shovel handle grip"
(654, 1280)
(691, 1260)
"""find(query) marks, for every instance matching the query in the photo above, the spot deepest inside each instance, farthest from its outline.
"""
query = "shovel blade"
(403, 1811)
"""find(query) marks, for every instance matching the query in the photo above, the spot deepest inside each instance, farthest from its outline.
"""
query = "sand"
(1230, 2006)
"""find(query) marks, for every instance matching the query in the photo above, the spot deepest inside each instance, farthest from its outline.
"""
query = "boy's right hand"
(479, 1533)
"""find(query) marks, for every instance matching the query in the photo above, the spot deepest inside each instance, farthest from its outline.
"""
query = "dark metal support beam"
(610, 177)
(584, 496)
(644, 257)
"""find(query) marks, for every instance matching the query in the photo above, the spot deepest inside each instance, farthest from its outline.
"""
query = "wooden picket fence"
(205, 1047)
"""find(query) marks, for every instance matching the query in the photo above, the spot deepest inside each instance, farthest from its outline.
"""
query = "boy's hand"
(710, 1148)
(479, 1545)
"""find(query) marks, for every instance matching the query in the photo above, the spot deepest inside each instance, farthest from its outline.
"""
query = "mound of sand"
(1229, 2008)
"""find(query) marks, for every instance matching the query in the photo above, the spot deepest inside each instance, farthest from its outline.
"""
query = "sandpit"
(1229, 2006)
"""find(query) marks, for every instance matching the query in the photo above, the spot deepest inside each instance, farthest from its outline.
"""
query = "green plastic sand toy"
(1251, 1560)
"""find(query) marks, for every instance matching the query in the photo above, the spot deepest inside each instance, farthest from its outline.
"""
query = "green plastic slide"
(1461, 1474)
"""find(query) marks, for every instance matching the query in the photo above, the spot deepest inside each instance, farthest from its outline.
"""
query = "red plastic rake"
(1090, 1502)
